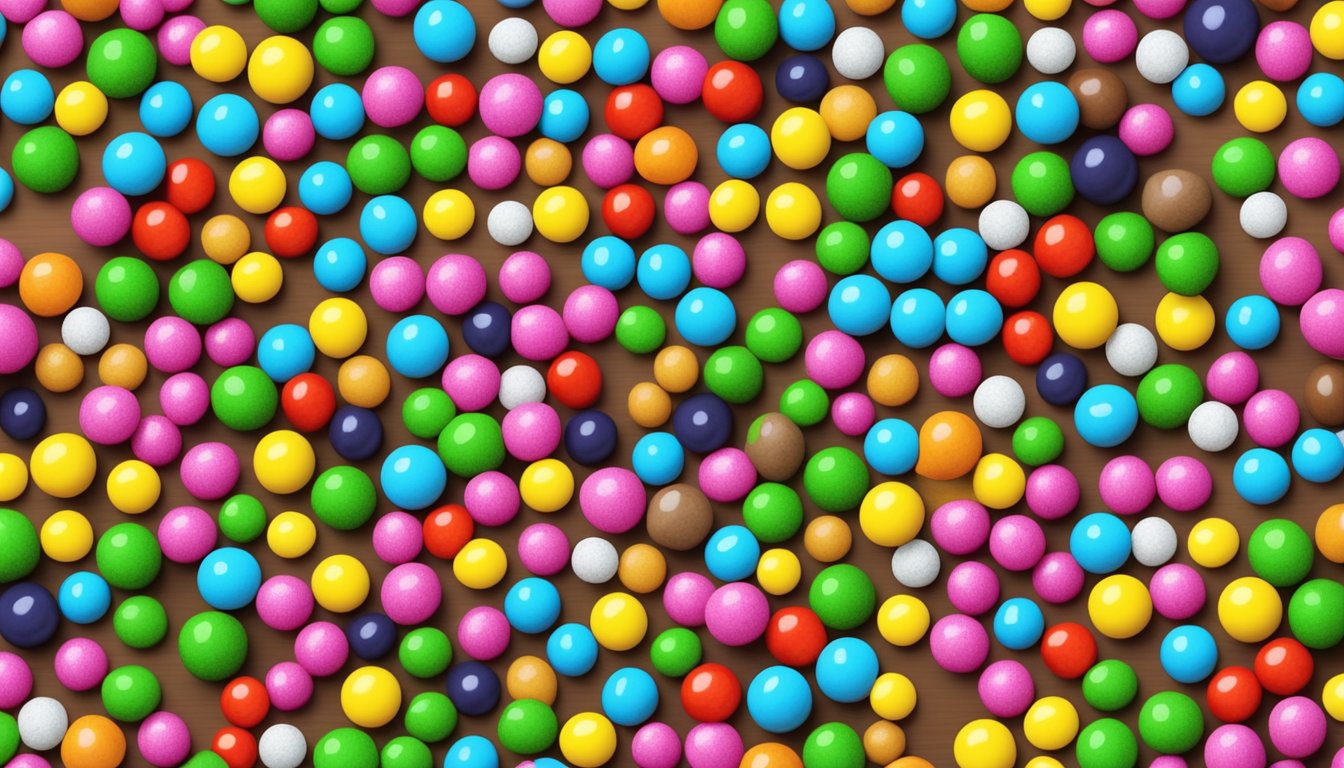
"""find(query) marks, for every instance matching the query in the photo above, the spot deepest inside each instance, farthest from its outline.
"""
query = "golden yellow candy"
(560, 214)
(893, 696)
(66, 536)
(587, 740)
(1260, 106)
(370, 697)
(283, 461)
(1184, 323)
(449, 214)
(63, 465)
(618, 621)
(981, 121)
(793, 211)
(1120, 606)
(903, 620)
(734, 205)
(13, 477)
(778, 571)
(1085, 315)
(1051, 723)
(291, 534)
(133, 487)
(81, 108)
(985, 744)
(257, 185)
(1213, 542)
(999, 481)
(891, 514)
(1250, 609)
(340, 583)
(800, 138)
(480, 564)
(338, 327)
(218, 53)
(257, 277)
(280, 69)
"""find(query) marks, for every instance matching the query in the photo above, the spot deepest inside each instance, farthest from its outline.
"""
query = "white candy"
(999, 402)
(1004, 224)
(1153, 541)
(915, 564)
(1161, 56)
(1051, 50)
(858, 53)
(1131, 350)
(513, 40)
(594, 560)
(42, 723)
(282, 746)
(510, 223)
(521, 384)
(1263, 215)
(85, 330)
(1213, 426)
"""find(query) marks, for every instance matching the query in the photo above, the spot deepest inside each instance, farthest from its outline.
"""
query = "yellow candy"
(981, 121)
(280, 70)
(546, 485)
(1213, 542)
(793, 211)
(257, 185)
(449, 214)
(1184, 323)
(1043, 761)
(291, 534)
(370, 697)
(257, 277)
(1051, 723)
(587, 740)
(1250, 609)
(891, 514)
(1047, 10)
(66, 536)
(893, 696)
(338, 327)
(800, 138)
(778, 571)
(80, 108)
(63, 465)
(283, 461)
(1327, 30)
(734, 205)
(903, 620)
(627, 5)
(480, 564)
(560, 214)
(986, 6)
(1120, 606)
(340, 583)
(133, 487)
(985, 743)
(1260, 106)
(13, 477)
(999, 481)
(618, 621)
(564, 57)
(1085, 315)
(218, 53)
(1332, 697)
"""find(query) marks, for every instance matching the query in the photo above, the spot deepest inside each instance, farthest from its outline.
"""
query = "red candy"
(308, 402)
(575, 379)
(1234, 694)
(711, 693)
(244, 701)
(1069, 650)
(448, 529)
(633, 110)
(450, 100)
(191, 185)
(1284, 666)
(795, 636)
(628, 211)
(732, 92)
(1027, 337)
(918, 198)
(1064, 246)
(291, 231)
(236, 746)
(1013, 278)
(160, 231)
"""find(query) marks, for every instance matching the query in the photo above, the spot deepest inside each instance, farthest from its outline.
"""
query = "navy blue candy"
(702, 423)
(372, 636)
(486, 329)
(22, 413)
(473, 688)
(802, 78)
(29, 615)
(590, 437)
(1104, 170)
(356, 433)
(1061, 379)
(1221, 31)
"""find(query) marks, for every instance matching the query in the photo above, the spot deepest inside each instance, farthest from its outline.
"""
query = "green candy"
(842, 247)
(344, 498)
(128, 556)
(805, 402)
(734, 374)
(773, 512)
(1187, 263)
(675, 652)
(427, 411)
(1280, 552)
(833, 745)
(337, 7)
(1042, 183)
(1168, 394)
(1038, 441)
(431, 717)
(527, 727)
(122, 63)
(1171, 723)
(405, 752)
(140, 622)
(1316, 613)
(1110, 685)
(45, 160)
(343, 45)
(836, 479)
(471, 444)
(131, 693)
(345, 748)
(774, 335)
(244, 398)
(378, 165)
(989, 47)
(201, 292)
(917, 78)
(842, 596)
(127, 289)
(1124, 241)
(212, 646)
(425, 652)
(242, 518)
(9, 737)
(1243, 166)
(20, 548)
(438, 153)
(205, 759)
(288, 16)
(1106, 743)
(859, 187)
(746, 30)
(641, 329)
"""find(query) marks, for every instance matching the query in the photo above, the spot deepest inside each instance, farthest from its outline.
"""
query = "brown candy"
(775, 446)
(679, 517)
(1278, 5)
(1325, 394)
(1102, 97)
(1176, 200)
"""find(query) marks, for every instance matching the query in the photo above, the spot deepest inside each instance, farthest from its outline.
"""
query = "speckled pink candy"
(719, 260)
(492, 498)
(1052, 491)
(493, 162)
(800, 286)
(397, 283)
(1184, 483)
(210, 471)
(80, 664)
(392, 96)
(608, 160)
(531, 431)
(187, 534)
(524, 277)
(157, 441)
(54, 38)
(612, 499)
(510, 104)
(411, 593)
(455, 283)
(143, 15)
(285, 602)
(175, 37)
(18, 676)
(109, 415)
(1177, 591)
(1016, 542)
(737, 613)
(164, 739)
(1232, 378)
(538, 333)
(321, 648)
(1146, 129)
(1127, 485)
(1283, 50)
(1290, 271)
(172, 345)
(1309, 168)
(288, 135)
(678, 74)
(590, 313)
(543, 549)
(1322, 322)
(834, 360)
(686, 207)
(289, 686)
(1058, 578)
(472, 381)
(727, 475)
(483, 633)
(1109, 36)
(398, 538)
(685, 597)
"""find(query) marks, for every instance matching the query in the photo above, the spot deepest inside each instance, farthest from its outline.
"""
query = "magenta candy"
(1271, 418)
(685, 597)
(397, 538)
(1184, 483)
(472, 381)
(1234, 746)
(853, 413)
(172, 345)
(543, 549)
(455, 283)
(28, 760)
(686, 207)
(834, 359)
(16, 677)
(1006, 688)
(142, 14)
(800, 286)
(737, 613)
(21, 11)
(1232, 378)
(1309, 168)
(954, 370)
(960, 527)
(392, 96)
(1146, 129)
(656, 745)
(572, 13)
(1283, 50)
(285, 602)
(973, 587)
(483, 633)
(184, 398)
(210, 470)
(288, 135)
(20, 334)
(493, 162)
(1052, 492)
(1336, 233)
(510, 105)
(1290, 271)
(524, 277)
(718, 260)
(612, 499)
(1057, 578)
(164, 739)
(411, 593)
(714, 745)
(1109, 36)
(608, 160)
(590, 313)
(1177, 591)
(109, 415)
(1127, 485)
(289, 686)
(396, 8)
(531, 431)
(100, 216)
(1297, 727)
(492, 498)
(1159, 9)
(321, 648)
(1168, 761)
(678, 74)
(397, 283)
(1287, 764)
(1322, 322)
(157, 441)
(958, 643)
(1016, 542)
(80, 664)
(538, 332)
(175, 36)
(230, 342)
(187, 534)
(11, 263)
(727, 475)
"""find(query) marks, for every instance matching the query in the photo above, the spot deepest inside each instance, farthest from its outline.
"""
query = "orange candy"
(123, 365)
(90, 10)
(893, 380)
(770, 755)
(869, 7)
(548, 162)
(847, 110)
(666, 155)
(649, 405)
(93, 741)
(949, 446)
(1330, 533)
(225, 239)
(50, 284)
(910, 761)
(690, 14)
(58, 368)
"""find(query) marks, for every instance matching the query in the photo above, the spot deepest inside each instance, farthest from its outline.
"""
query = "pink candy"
(289, 686)
(492, 498)
(656, 745)
(455, 283)
(954, 370)
(834, 360)
(973, 587)
(539, 333)
(800, 286)
(1109, 36)
(678, 74)
(109, 415)
(187, 534)
(531, 431)
(1016, 542)
(16, 677)
(686, 207)
(1232, 378)
(472, 381)
(1057, 578)
(1283, 50)
(493, 163)
(164, 739)
(590, 313)
(737, 613)
(1290, 271)
(524, 277)
(1184, 483)
(1309, 168)
(1271, 418)
(543, 549)
(1127, 485)
(394, 96)
(1322, 322)
(20, 334)
(608, 160)
(612, 499)
(685, 596)
(510, 104)
(53, 39)
(80, 664)
(1177, 591)
(960, 527)
(285, 602)
(959, 643)
(397, 283)
(719, 260)
(210, 471)
(1006, 688)
(321, 648)
(1052, 492)
(484, 633)
(727, 475)
(1146, 129)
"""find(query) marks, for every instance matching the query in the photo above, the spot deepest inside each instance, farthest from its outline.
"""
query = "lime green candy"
(472, 443)
(859, 187)
(773, 512)
(427, 411)
(746, 30)
(131, 693)
(127, 289)
(1187, 263)
(1243, 166)
(378, 165)
(917, 77)
(989, 47)
(835, 479)
(345, 748)
(340, 6)
(344, 498)
(212, 645)
(843, 247)
(431, 717)
(734, 374)
(774, 335)
(1042, 183)
(343, 45)
(1280, 552)
(842, 596)
(288, 16)
(425, 652)
(675, 652)
(1038, 440)
(201, 292)
(45, 160)
(205, 759)
(438, 153)
(641, 329)
(242, 518)
(244, 398)
(140, 622)
(1168, 394)
(1124, 241)
(1110, 685)
(122, 63)
(1106, 743)
(128, 556)
(1316, 613)
(833, 745)
(405, 752)
(20, 549)
(9, 737)
(1171, 723)
(527, 727)
(805, 402)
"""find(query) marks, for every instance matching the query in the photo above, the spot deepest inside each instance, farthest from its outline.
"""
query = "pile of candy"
(449, 427)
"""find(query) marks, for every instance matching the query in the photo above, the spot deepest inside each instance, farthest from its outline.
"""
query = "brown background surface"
(947, 701)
